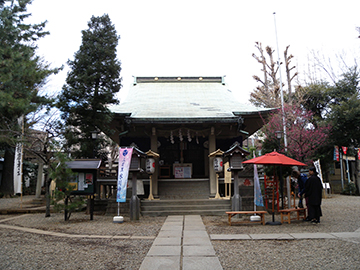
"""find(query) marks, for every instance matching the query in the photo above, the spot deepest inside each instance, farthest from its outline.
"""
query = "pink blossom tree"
(303, 137)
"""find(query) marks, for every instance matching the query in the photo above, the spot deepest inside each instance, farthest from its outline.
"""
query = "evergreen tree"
(316, 98)
(338, 105)
(90, 86)
(22, 74)
(345, 109)
(62, 198)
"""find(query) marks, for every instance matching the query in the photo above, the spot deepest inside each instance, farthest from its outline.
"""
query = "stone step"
(185, 207)
(185, 202)
(185, 212)
(176, 207)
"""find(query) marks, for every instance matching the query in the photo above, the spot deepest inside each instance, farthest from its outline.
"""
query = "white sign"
(18, 168)
(318, 169)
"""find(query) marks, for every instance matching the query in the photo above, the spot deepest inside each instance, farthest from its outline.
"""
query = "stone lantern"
(236, 155)
(135, 167)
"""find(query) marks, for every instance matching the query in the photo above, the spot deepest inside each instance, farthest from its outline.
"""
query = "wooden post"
(151, 197)
(91, 207)
(217, 196)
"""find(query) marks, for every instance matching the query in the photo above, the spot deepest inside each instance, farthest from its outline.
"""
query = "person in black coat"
(313, 193)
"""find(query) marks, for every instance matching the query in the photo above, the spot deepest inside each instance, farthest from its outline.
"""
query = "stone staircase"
(169, 207)
(182, 198)
(185, 207)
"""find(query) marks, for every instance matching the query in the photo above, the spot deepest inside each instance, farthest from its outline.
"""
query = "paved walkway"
(286, 236)
(182, 243)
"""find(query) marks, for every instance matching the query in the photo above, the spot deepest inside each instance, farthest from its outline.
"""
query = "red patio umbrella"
(274, 158)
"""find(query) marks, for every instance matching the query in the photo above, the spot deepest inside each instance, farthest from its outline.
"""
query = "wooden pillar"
(212, 174)
(154, 177)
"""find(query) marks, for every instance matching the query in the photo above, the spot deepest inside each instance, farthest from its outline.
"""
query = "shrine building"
(183, 119)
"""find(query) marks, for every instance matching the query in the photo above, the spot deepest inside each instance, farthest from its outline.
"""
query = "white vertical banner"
(258, 199)
(18, 168)
(318, 169)
(123, 173)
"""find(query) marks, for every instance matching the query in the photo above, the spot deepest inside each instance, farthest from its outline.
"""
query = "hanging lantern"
(150, 165)
(218, 164)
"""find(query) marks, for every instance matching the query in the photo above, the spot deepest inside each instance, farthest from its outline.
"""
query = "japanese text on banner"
(123, 173)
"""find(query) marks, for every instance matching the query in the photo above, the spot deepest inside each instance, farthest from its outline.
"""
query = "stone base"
(118, 219)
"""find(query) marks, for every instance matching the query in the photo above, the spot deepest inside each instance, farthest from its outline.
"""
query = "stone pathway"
(285, 236)
(182, 243)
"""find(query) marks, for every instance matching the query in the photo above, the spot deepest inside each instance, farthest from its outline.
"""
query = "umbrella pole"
(281, 181)
(273, 222)
(273, 197)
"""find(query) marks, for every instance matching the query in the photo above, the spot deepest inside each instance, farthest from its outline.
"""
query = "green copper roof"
(181, 98)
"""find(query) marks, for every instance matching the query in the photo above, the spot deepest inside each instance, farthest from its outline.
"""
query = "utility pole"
(281, 89)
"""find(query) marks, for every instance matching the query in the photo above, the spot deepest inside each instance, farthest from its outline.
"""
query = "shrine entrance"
(182, 159)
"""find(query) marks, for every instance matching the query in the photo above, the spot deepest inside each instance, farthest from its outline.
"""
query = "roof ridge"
(179, 79)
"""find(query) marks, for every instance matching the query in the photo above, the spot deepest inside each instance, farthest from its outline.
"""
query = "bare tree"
(261, 60)
(41, 139)
(288, 69)
(268, 93)
(328, 67)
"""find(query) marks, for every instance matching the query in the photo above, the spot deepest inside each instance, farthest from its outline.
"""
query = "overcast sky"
(201, 38)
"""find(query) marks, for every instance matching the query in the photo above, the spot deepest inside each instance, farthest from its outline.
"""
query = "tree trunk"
(287, 70)
(39, 179)
(7, 181)
(66, 211)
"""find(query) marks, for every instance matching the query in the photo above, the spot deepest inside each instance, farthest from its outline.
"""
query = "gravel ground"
(30, 251)
(80, 223)
(340, 214)
(22, 250)
(285, 254)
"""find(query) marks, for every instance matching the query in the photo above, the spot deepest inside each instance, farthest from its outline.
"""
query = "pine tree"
(22, 74)
(90, 86)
